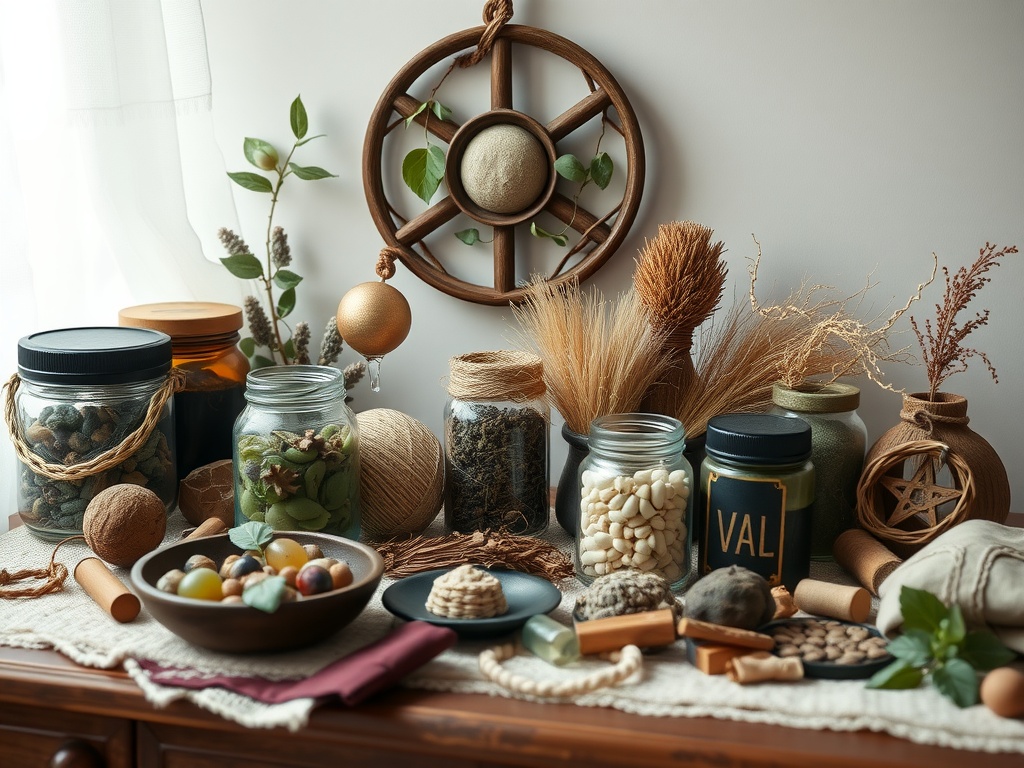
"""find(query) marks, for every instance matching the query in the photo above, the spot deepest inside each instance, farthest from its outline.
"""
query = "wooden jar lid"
(184, 318)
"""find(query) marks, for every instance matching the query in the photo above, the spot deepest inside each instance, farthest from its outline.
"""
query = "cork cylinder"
(865, 558)
(647, 629)
(106, 590)
(836, 601)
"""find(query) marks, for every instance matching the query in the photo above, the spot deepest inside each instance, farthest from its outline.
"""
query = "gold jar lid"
(180, 319)
(809, 397)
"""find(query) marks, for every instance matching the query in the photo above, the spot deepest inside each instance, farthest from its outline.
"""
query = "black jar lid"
(94, 356)
(758, 438)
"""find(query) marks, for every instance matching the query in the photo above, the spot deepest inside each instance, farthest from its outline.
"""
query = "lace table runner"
(71, 623)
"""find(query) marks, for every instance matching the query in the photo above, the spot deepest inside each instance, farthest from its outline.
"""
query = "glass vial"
(204, 339)
(296, 457)
(496, 444)
(635, 500)
(758, 488)
(84, 392)
(838, 442)
(553, 642)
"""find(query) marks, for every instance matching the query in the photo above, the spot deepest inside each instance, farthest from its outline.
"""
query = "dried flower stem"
(941, 343)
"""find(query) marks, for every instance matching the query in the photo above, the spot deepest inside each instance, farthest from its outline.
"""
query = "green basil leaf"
(260, 153)
(247, 345)
(913, 647)
(955, 628)
(285, 279)
(439, 109)
(251, 535)
(423, 170)
(983, 650)
(251, 181)
(259, 361)
(311, 172)
(265, 595)
(469, 236)
(299, 120)
(921, 610)
(601, 169)
(410, 118)
(286, 303)
(243, 265)
(957, 680)
(309, 139)
(897, 676)
(569, 167)
(556, 237)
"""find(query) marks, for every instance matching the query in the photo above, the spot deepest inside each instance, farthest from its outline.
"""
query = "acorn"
(124, 522)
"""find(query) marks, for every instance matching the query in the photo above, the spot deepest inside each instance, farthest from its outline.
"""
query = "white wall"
(851, 137)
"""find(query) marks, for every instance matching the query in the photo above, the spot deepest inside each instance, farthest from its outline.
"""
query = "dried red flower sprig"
(941, 343)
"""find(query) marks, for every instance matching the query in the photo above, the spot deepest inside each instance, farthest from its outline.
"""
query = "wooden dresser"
(56, 713)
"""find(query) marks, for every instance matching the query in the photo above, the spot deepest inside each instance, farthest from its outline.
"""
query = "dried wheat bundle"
(599, 356)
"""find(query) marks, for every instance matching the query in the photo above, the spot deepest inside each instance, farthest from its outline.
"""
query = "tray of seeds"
(837, 650)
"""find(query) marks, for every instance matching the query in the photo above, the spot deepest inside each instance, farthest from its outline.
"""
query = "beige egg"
(1002, 691)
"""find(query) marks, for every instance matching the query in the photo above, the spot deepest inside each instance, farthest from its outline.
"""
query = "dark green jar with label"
(757, 485)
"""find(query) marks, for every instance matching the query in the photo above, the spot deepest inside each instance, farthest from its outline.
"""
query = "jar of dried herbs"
(635, 499)
(204, 345)
(838, 442)
(496, 444)
(90, 408)
(296, 452)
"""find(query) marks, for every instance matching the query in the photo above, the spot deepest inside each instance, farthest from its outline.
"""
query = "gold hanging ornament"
(374, 317)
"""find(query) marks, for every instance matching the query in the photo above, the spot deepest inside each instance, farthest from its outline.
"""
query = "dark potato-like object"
(733, 596)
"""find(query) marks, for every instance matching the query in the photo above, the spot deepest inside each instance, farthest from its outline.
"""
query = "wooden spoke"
(504, 258)
(578, 114)
(420, 226)
(577, 217)
(501, 74)
(405, 105)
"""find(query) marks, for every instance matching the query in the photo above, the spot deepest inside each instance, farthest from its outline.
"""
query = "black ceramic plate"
(526, 595)
(828, 669)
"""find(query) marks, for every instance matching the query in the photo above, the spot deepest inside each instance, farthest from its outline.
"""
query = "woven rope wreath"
(920, 495)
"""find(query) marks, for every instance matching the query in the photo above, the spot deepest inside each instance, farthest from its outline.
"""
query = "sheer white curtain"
(105, 137)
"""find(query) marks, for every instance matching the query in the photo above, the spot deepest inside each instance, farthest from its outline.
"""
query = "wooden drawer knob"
(77, 754)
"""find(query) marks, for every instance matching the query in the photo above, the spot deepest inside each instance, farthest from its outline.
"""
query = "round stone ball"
(124, 522)
(401, 474)
(504, 169)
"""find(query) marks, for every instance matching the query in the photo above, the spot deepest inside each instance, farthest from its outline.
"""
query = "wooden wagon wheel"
(594, 230)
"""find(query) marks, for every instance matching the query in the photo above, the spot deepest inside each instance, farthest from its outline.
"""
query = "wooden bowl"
(242, 629)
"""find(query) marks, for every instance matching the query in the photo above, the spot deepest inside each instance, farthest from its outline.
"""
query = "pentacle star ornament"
(921, 494)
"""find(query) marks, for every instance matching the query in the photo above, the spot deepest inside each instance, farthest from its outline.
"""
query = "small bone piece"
(763, 667)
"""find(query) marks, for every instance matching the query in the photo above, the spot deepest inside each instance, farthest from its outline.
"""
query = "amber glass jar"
(204, 346)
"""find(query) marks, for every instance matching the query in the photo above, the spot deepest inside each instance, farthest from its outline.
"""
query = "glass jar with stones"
(296, 452)
(838, 444)
(90, 408)
(635, 499)
(496, 444)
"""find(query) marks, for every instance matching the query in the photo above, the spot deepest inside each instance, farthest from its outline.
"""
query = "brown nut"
(199, 561)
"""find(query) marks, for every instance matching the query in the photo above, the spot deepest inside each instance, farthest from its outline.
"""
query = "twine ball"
(374, 318)
(504, 168)
(124, 522)
(401, 474)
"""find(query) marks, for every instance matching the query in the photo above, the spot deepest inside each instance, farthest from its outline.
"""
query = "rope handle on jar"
(628, 661)
(111, 457)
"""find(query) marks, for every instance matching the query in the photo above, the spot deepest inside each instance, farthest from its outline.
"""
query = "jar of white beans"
(635, 499)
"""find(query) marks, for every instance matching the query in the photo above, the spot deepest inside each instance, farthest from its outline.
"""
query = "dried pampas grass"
(600, 356)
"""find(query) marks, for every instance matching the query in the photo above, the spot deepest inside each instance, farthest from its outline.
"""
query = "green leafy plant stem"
(282, 170)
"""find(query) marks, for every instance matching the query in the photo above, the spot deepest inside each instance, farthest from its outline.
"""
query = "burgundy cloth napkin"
(352, 679)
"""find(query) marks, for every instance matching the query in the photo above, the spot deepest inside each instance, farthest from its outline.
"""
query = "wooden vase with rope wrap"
(90, 408)
(929, 472)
